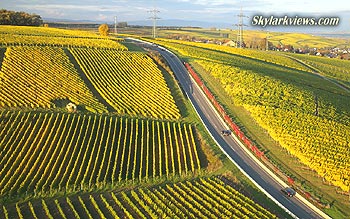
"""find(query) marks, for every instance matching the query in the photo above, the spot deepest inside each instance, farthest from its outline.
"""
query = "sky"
(198, 10)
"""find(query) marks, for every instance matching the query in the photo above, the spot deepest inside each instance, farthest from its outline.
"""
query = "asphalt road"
(215, 125)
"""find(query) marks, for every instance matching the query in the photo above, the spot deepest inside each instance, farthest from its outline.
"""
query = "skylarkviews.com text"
(259, 20)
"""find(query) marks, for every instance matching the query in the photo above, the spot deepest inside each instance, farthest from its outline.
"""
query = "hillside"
(133, 147)
(305, 116)
(297, 40)
(200, 198)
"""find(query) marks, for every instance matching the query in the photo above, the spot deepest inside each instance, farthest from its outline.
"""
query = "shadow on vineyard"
(88, 82)
(62, 102)
(2, 54)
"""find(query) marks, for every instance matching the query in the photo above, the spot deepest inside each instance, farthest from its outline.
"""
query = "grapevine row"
(318, 137)
(271, 57)
(51, 41)
(201, 198)
(130, 82)
(33, 77)
(56, 151)
(46, 31)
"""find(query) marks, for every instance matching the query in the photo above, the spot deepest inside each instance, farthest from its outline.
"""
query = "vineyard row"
(48, 152)
(202, 198)
(130, 82)
(32, 40)
(35, 77)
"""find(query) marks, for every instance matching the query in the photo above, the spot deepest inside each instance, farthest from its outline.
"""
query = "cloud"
(128, 10)
(211, 3)
(285, 6)
(71, 7)
(105, 12)
(101, 17)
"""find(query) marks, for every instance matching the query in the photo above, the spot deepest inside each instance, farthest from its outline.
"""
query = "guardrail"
(223, 113)
(233, 161)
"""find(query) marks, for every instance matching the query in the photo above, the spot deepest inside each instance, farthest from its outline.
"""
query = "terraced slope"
(130, 82)
(47, 152)
(36, 77)
(201, 198)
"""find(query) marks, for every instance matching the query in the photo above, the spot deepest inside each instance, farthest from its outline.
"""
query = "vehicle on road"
(289, 191)
(226, 132)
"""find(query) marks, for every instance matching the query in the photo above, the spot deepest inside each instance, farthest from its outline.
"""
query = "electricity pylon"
(154, 18)
(240, 25)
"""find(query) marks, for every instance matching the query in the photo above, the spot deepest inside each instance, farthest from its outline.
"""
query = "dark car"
(289, 191)
(226, 132)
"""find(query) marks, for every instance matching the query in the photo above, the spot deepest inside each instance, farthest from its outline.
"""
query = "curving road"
(230, 144)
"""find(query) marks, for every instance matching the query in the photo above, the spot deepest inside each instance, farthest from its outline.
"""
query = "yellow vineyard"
(34, 77)
(130, 82)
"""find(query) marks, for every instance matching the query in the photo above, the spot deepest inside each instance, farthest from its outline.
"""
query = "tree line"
(19, 18)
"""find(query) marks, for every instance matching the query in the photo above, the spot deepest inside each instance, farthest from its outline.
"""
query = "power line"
(154, 17)
(240, 25)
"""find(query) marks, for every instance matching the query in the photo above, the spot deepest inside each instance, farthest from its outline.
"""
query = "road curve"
(230, 144)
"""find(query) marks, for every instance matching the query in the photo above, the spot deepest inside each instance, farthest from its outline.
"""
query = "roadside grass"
(132, 47)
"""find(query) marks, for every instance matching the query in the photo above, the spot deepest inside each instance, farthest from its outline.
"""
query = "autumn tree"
(103, 29)
(19, 18)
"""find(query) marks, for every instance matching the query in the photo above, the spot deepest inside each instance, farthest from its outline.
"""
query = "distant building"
(230, 43)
